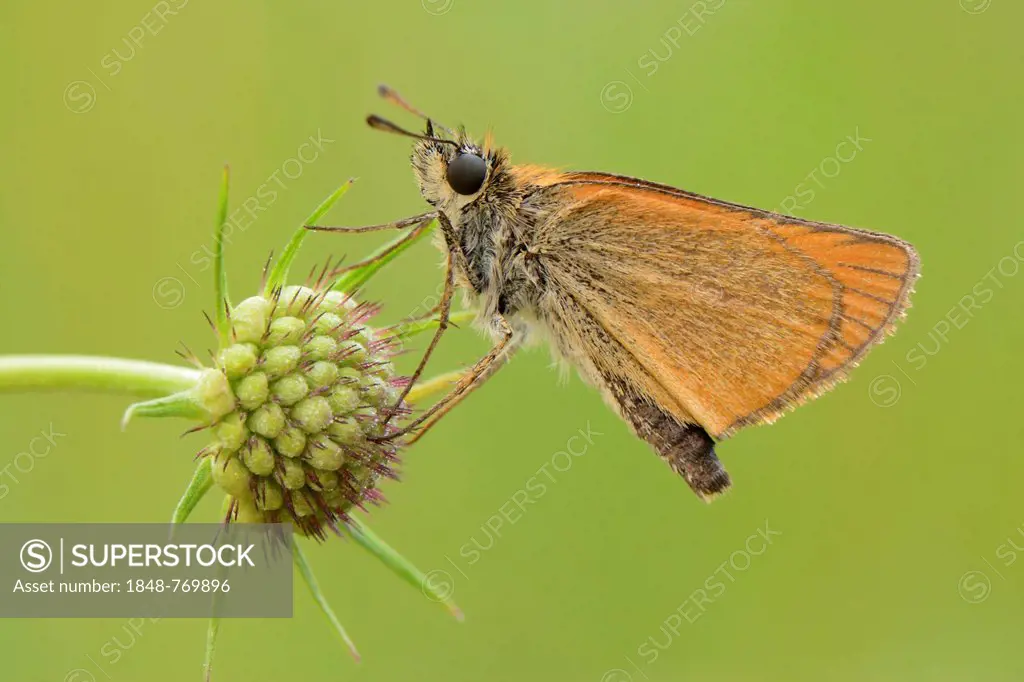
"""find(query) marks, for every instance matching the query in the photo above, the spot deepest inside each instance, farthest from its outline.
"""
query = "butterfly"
(694, 317)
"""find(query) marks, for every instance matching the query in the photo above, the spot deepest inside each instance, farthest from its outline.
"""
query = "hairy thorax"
(505, 273)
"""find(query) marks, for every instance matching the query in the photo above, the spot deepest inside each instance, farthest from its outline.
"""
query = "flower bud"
(300, 396)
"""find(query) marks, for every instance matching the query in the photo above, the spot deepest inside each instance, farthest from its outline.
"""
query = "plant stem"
(137, 378)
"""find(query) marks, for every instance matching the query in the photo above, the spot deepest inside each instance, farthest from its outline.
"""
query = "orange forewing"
(735, 312)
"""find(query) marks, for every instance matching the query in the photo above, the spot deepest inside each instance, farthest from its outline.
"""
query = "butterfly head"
(453, 174)
(453, 170)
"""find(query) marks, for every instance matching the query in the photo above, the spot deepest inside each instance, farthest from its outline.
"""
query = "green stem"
(137, 378)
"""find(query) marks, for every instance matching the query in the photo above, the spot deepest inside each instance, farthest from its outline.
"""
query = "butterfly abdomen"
(686, 448)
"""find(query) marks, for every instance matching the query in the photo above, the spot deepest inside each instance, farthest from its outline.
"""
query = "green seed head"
(309, 392)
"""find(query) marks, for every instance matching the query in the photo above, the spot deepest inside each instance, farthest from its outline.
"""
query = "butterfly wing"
(731, 314)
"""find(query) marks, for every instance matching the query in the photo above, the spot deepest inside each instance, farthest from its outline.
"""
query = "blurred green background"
(890, 502)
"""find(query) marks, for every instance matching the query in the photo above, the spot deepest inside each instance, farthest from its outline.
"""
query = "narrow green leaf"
(181, 404)
(414, 327)
(353, 279)
(399, 565)
(213, 626)
(220, 276)
(437, 384)
(318, 596)
(279, 273)
(212, 630)
(202, 481)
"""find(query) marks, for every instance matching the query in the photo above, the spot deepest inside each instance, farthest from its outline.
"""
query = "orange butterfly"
(694, 317)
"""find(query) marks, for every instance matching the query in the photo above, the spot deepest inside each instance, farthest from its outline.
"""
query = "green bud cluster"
(311, 389)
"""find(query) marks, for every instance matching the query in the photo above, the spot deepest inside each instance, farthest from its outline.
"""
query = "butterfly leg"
(445, 307)
(474, 377)
(386, 253)
(396, 225)
(456, 259)
(476, 383)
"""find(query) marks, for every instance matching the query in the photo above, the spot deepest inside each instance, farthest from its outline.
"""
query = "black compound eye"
(466, 173)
